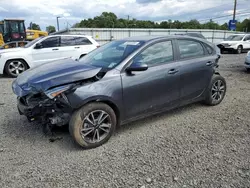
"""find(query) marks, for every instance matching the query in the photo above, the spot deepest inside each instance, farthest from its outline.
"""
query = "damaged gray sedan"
(119, 82)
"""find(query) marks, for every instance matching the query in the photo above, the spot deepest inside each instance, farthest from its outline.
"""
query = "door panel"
(68, 47)
(195, 76)
(50, 51)
(155, 88)
(246, 42)
(196, 69)
(151, 90)
(84, 45)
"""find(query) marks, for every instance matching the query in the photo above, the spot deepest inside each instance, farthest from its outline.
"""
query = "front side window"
(247, 38)
(208, 48)
(111, 54)
(51, 42)
(190, 49)
(67, 41)
(31, 43)
(156, 54)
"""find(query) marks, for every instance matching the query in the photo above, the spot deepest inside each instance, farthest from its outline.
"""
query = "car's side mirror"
(38, 46)
(137, 67)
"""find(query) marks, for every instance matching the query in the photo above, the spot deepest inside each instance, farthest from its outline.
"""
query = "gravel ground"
(193, 146)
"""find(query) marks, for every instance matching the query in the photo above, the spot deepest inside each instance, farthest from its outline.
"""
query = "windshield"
(234, 38)
(112, 54)
(29, 44)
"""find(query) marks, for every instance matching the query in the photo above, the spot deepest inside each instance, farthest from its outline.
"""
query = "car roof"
(148, 38)
(69, 35)
(239, 34)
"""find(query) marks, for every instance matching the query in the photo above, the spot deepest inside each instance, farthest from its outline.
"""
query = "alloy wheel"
(96, 126)
(16, 68)
(239, 50)
(218, 90)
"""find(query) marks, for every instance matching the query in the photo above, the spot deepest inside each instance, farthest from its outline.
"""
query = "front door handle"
(77, 47)
(173, 71)
(209, 63)
(55, 49)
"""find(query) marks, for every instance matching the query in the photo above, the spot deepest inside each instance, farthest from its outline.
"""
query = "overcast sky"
(44, 12)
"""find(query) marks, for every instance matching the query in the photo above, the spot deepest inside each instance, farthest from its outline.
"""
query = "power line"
(214, 18)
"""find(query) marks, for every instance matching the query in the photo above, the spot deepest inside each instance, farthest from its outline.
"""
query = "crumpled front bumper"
(23, 109)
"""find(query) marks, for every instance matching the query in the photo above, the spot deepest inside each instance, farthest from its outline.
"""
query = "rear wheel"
(239, 50)
(15, 67)
(92, 125)
(216, 90)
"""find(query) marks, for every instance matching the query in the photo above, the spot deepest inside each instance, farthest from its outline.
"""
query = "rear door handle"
(209, 63)
(77, 47)
(55, 49)
(173, 71)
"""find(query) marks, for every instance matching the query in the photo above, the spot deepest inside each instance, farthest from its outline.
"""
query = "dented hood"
(41, 78)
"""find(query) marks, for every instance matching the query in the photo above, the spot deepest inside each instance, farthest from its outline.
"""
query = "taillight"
(98, 46)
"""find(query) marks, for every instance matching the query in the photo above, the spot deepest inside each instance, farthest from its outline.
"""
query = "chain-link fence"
(104, 35)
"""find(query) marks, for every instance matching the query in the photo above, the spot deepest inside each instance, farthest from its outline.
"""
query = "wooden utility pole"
(235, 4)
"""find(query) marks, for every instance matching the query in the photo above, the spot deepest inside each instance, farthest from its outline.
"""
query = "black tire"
(77, 124)
(239, 49)
(18, 63)
(248, 69)
(210, 93)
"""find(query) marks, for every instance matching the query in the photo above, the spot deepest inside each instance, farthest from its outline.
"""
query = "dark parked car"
(119, 82)
(198, 35)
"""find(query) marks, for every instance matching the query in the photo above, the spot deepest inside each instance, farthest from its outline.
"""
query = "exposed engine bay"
(52, 108)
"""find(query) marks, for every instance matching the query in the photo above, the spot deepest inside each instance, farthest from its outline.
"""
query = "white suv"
(43, 50)
(236, 43)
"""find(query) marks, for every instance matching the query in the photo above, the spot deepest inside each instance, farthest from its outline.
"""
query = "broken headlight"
(52, 93)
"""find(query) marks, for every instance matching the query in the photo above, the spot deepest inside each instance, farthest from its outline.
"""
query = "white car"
(45, 49)
(236, 43)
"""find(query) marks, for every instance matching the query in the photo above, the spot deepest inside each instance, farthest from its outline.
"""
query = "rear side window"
(67, 41)
(51, 42)
(190, 49)
(209, 49)
(82, 41)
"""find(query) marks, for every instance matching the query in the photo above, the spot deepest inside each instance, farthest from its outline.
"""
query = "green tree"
(110, 20)
(34, 26)
(50, 29)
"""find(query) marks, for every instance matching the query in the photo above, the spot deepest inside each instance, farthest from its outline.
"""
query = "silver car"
(247, 61)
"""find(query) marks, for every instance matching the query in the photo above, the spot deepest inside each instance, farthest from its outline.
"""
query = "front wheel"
(216, 90)
(92, 125)
(15, 67)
